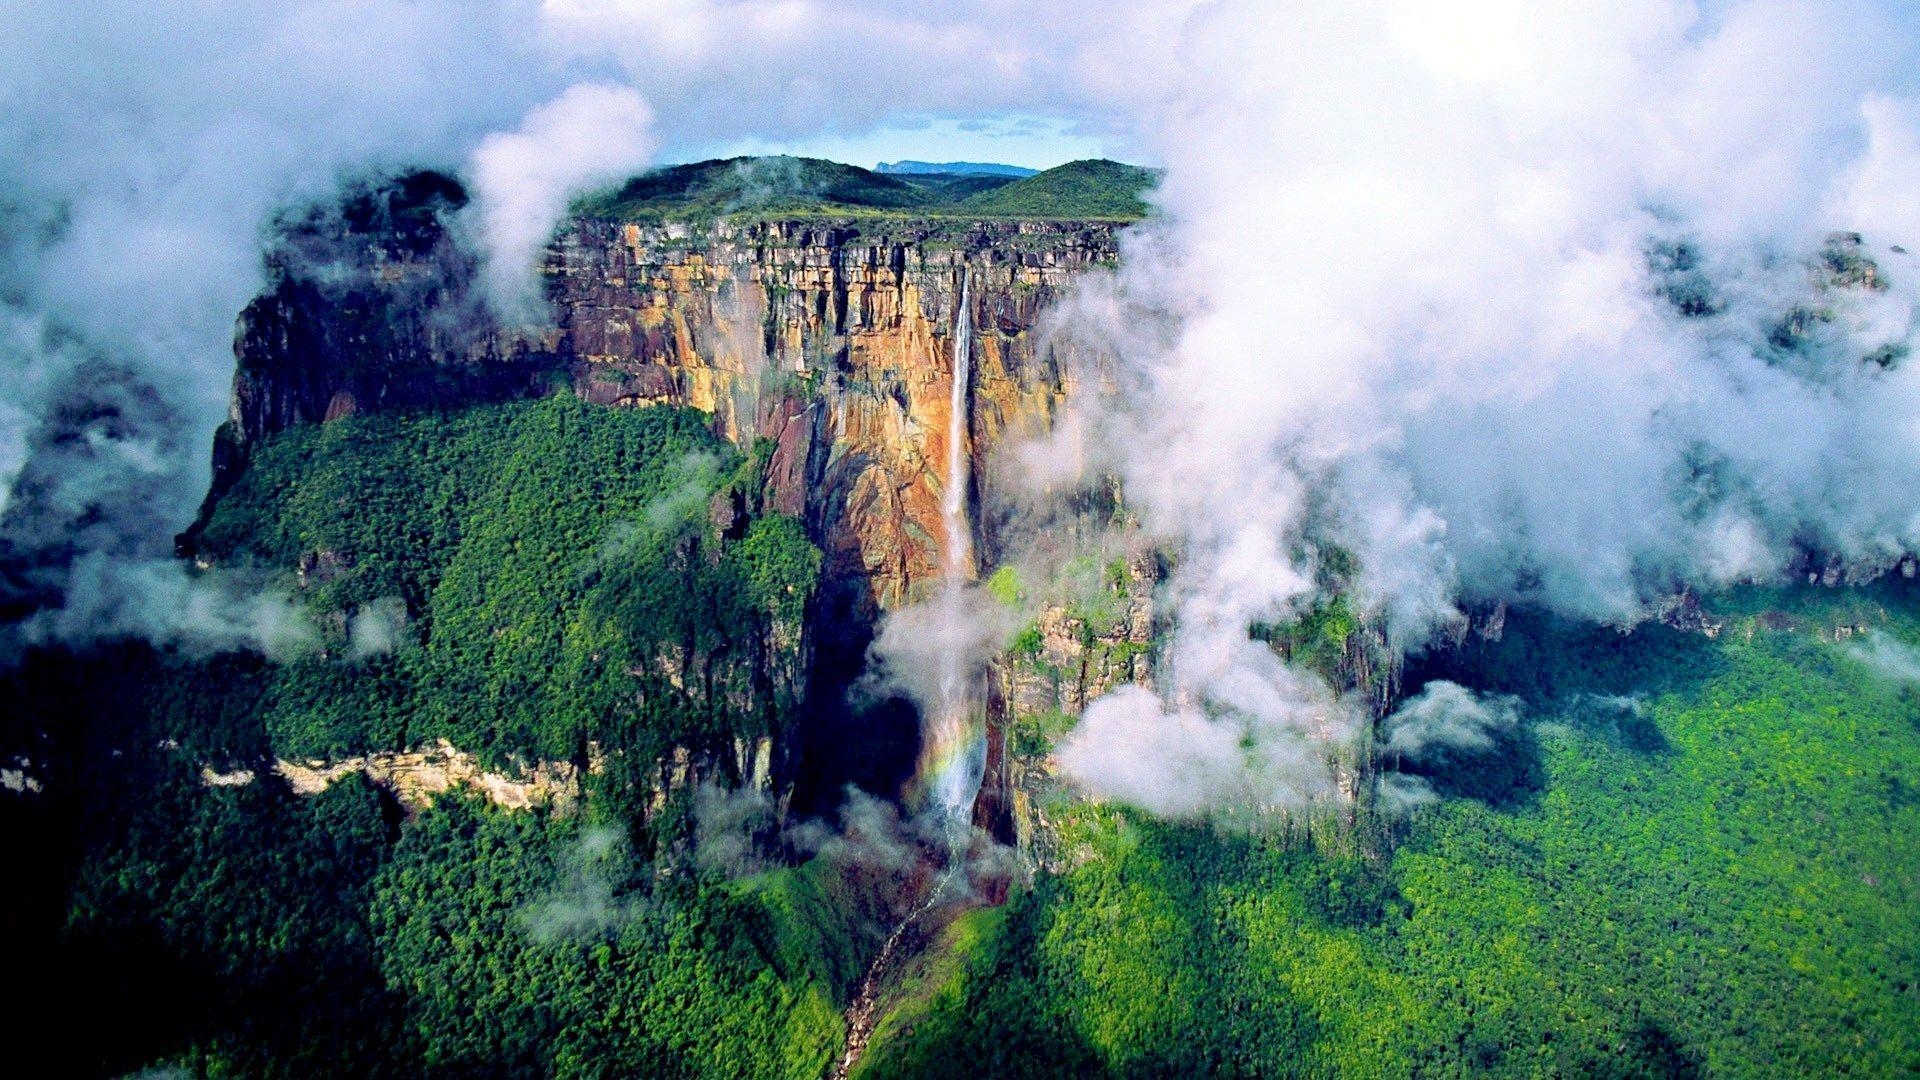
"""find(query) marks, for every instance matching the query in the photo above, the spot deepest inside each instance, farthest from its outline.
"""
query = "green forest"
(1701, 857)
(1697, 856)
(510, 578)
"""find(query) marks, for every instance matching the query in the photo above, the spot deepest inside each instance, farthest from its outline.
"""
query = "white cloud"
(1404, 304)
(1446, 716)
(1888, 657)
(378, 627)
(591, 134)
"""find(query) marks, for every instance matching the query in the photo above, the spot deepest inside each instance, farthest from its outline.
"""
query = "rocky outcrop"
(416, 778)
(1072, 653)
(18, 776)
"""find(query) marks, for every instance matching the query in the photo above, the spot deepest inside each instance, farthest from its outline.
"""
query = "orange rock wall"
(831, 342)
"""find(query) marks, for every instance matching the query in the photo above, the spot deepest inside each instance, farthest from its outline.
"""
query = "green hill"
(767, 185)
(1091, 189)
(804, 187)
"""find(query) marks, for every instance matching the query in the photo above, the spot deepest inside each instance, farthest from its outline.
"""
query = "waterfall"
(957, 559)
(954, 743)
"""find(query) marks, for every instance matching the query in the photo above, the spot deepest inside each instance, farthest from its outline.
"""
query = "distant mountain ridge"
(781, 187)
(952, 168)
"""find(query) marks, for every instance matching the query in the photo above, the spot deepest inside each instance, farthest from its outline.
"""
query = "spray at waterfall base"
(934, 654)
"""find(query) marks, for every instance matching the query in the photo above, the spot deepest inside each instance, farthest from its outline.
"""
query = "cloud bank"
(142, 153)
(1517, 302)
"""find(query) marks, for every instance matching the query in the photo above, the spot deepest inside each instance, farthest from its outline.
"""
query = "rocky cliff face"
(832, 343)
(824, 348)
(828, 348)
(826, 345)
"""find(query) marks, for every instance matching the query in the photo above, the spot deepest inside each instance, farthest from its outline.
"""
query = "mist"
(590, 135)
(1508, 303)
(144, 152)
(1887, 657)
(582, 904)
(1445, 717)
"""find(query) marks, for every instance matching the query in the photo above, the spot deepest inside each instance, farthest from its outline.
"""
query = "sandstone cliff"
(825, 343)
(824, 348)
(831, 342)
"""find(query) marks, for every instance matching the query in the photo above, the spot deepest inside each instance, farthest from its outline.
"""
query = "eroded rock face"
(415, 778)
(825, 348)
(828, 348)
(828, 343)
(832, 342)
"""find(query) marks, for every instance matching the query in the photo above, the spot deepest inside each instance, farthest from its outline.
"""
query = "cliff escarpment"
(830, 346)
(825, 346)
(822, 347)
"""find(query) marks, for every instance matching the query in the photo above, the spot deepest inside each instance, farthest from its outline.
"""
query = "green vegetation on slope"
(786, 187)
(943, 188)
(1715, 875)
(248, 931)
(1091, 190)
(1698, 859)
(517, 579)
(525, 945)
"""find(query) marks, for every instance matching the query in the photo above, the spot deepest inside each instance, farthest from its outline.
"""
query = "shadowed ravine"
(863, 1012)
